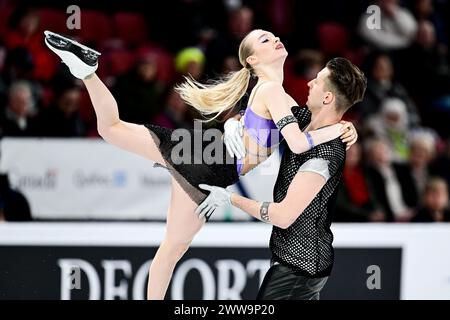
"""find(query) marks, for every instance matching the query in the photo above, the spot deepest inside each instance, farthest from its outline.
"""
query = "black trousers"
(282, 283)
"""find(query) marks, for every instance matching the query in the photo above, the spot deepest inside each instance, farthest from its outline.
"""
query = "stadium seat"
(120, 61)
(333, 38)
(53, 19)
(95, 27)
(5, 13)
(130, 27)
(165, 60)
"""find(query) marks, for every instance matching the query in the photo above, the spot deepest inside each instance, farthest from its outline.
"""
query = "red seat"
(333, 38)
(120, 62)
(165, 60)
(130, 27)
(53, 20)
(95, 27)
(5, 13)
(166, 70)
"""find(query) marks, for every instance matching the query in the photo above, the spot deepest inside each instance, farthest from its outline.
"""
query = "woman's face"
(266, 48)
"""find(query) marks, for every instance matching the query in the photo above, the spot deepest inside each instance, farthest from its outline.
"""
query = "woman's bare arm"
(276, 101)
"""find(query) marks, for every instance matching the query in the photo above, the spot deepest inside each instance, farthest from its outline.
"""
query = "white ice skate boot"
(81, 60)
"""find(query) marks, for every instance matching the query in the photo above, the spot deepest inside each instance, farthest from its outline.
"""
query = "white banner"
(90, 179)
(83, 178)
(425, 260)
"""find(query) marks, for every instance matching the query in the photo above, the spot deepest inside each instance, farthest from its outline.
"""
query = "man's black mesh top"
(306, 246)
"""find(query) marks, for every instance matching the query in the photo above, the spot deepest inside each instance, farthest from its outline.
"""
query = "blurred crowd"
(398, 171)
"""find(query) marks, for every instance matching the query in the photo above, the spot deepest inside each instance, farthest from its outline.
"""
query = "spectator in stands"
(381, 85)
(62, 118)
(230, 64)
(430, 87)
(356, 201)
(424, 10)
(281, 16)
(24, 32)
(422, 151)
(433, 69)
(18, 66)
(306, 64)
(175, 114)
(19, 116)
(397, 27)
(440, 167)
(138, 92)
(435, 203)
(389, 182)
(240, 23)
(392, 125)
(13, 204)
(190, 62)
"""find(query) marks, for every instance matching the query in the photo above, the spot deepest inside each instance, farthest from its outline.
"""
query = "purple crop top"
(260, 129)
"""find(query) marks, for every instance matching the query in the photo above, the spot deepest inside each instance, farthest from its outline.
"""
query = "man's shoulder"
(335, 144)
(333, 149)
(300, 111)
(333, 152)
(303, 116)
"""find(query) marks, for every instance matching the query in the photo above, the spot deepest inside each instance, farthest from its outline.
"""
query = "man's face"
(380, 154)
(20, 102)
(317, 90)
(436, 199)
(420, 154)
(383, 69)
(70, 101)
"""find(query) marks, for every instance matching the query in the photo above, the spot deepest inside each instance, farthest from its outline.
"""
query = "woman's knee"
(176, 249)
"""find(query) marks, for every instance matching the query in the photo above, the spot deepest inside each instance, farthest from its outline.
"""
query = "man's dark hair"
(347, 81)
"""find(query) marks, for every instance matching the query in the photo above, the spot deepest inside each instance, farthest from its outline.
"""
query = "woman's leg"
(128, 136)
(182, 225)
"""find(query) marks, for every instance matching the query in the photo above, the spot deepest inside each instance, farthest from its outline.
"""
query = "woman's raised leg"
(82, 62)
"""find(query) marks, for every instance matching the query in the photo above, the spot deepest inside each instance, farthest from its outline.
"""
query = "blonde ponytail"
(215, 98)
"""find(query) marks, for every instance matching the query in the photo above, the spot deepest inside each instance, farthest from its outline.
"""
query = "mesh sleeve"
(334, 156)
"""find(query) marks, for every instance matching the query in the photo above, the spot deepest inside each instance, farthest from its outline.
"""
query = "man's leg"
(308, 288)
(281, 283)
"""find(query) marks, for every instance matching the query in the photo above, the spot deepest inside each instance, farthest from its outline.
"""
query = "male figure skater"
(304, 193)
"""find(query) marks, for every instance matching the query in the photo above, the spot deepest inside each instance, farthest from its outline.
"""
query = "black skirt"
(199, 168)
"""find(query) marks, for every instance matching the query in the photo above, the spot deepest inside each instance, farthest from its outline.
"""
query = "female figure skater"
(261, 54)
